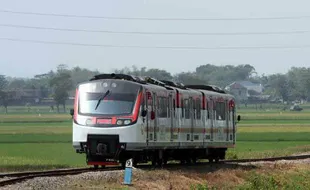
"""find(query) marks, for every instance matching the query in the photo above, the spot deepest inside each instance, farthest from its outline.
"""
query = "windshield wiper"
(101, 98)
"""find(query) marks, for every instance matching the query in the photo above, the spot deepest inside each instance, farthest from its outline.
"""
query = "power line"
(155, 47)
(152, 18)
(154, 33)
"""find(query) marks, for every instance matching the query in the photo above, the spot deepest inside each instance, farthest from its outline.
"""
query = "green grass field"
(42, 140)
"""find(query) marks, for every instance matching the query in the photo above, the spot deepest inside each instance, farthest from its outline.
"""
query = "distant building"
(18, 94)
(21, 96)
(246, 90)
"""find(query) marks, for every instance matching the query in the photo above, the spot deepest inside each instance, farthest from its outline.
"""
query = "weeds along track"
(21, 176)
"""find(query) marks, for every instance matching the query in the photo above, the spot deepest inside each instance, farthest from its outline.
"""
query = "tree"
(224, 75)
(189, 79)
(16, 83)
(79, 75)
(3, 95)
(280, 83)
(61, 84)
(159, 74)
(3, 83)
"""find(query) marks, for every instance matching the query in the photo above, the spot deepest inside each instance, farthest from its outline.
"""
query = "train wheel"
(134, 162)
(153, 161)
(188, 161)
(160, 162)
(194, 160)
(123, 164)
(96, 166)
(165, 161)
(102, 166)
(217, 160)
(210, 160)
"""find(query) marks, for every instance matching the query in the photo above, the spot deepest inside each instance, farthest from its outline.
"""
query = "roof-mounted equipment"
(207, 87)
(118, 76)
(174, 84)
(154, 81)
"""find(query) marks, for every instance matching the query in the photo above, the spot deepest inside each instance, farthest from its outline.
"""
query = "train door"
(220, 119)
(206, 121)
(211, 115)
(146, 103)
(227, 113)
(232, 114)
(172, 115)
(155, 115)
(151, 117)
(191, 112)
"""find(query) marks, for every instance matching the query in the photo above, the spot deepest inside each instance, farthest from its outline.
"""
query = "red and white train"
(117, 117)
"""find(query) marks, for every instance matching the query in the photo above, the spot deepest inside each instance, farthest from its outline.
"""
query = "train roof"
(146, 80)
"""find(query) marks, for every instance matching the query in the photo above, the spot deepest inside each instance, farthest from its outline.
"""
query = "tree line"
(60, 84)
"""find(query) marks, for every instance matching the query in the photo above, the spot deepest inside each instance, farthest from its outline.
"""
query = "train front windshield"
(108, 97)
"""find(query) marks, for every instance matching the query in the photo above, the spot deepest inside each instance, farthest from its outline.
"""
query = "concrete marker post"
(128, 172)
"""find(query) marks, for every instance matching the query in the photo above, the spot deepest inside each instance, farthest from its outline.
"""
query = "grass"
(31, 141)
(38, 156)
(267, 149)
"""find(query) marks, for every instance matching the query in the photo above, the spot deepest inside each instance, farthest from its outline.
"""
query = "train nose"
(101, 148)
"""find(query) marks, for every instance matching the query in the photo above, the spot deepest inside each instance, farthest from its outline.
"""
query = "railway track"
(21, 176)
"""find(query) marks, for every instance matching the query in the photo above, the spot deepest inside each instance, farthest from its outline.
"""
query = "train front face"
(105, 114)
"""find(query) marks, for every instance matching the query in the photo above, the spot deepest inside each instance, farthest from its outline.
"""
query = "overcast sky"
(24, 59)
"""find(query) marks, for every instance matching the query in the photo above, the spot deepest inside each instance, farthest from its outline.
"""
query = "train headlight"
(123, 121)
(119, 122)
(88, 122)
(127, 121)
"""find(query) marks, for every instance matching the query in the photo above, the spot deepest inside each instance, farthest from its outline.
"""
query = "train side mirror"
(71, 112)
(238, 118)
(143, 113)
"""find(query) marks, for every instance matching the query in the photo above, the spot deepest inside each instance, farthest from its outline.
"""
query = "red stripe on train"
(103, 163)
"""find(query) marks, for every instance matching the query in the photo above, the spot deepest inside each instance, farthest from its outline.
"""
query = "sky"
(25, 59)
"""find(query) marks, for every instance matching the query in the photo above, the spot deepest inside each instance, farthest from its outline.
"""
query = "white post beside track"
(128, 172)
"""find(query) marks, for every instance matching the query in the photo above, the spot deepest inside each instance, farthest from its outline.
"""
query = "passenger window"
(174, 107)
(220, 111)
(194, 109)
(183, 106)
(163, 107)
(187, 109)
(208, 109)
(198, 108)
(168, 100)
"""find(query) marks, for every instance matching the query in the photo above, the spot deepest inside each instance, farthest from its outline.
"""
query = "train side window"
(208, 109)
(143, 102)
(198, 108)
(160, 107)
(183, 106)
(187, 109)
(173, 104)
(220, 111)
(166, 106)
(168, 101)
(194, 109)
(163, 107)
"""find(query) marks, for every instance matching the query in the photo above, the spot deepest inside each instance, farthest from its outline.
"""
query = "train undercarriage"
(104, 150)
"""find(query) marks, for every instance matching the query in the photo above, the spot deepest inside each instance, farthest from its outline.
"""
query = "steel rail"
(21, 176)
(297, 157)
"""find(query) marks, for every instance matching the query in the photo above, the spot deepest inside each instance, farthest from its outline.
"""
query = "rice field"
(40, 139)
